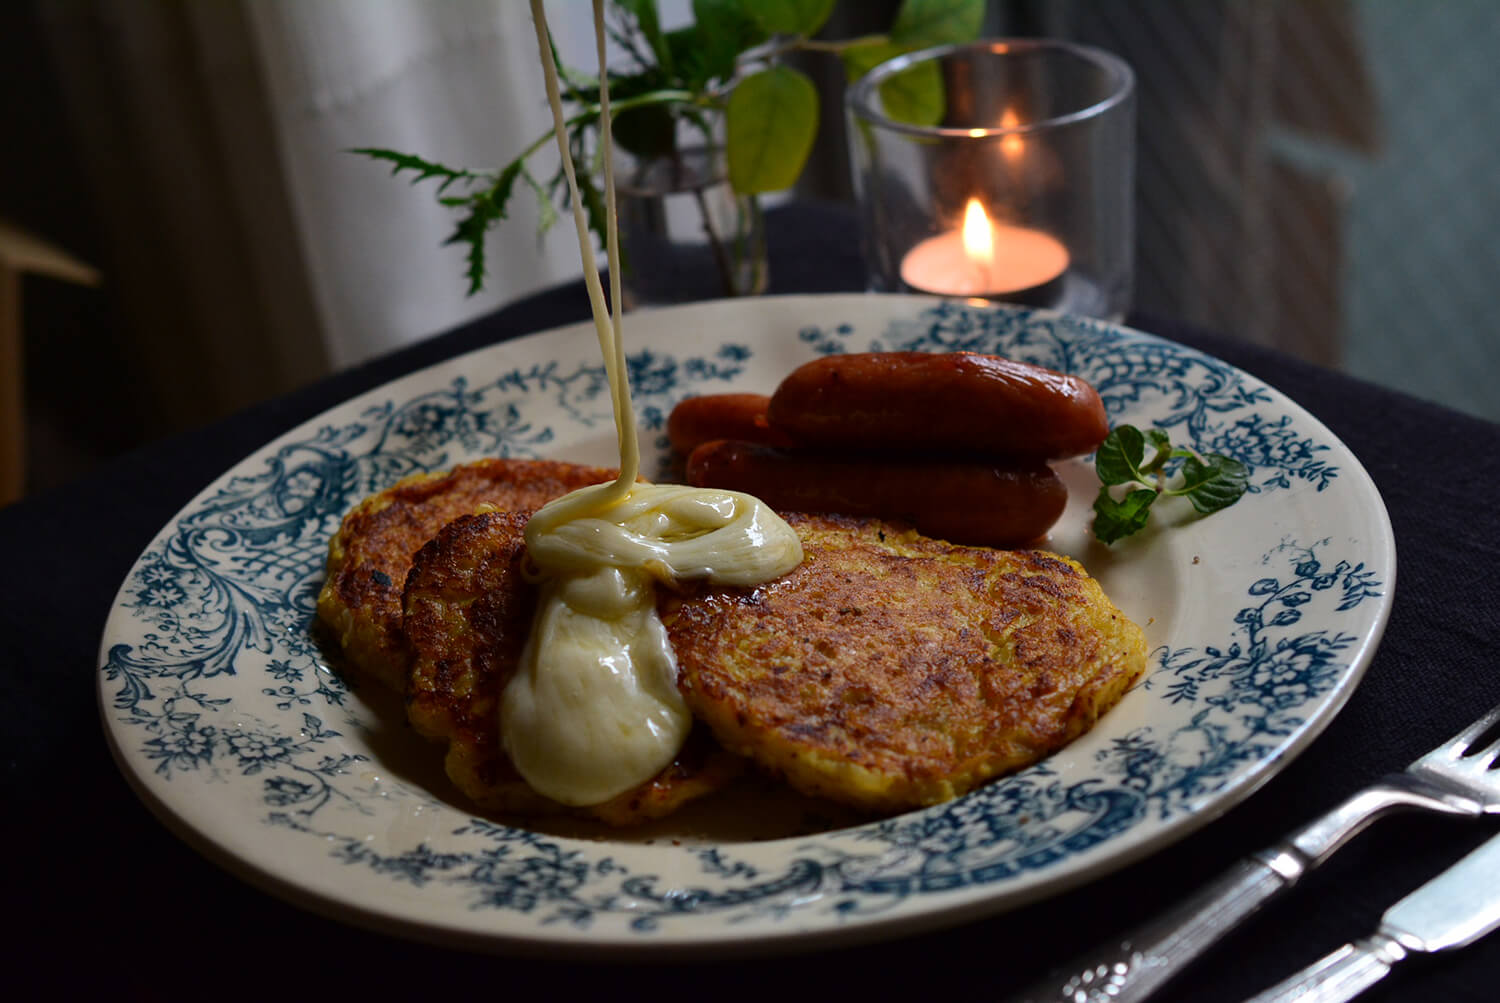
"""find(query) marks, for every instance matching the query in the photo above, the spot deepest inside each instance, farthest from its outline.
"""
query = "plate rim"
(788, 937)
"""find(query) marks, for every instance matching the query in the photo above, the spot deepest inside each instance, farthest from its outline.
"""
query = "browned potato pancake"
(369, 556)
(468, 611)
(890, 670)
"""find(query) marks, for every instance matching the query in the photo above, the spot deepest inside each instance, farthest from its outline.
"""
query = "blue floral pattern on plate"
(221, 707)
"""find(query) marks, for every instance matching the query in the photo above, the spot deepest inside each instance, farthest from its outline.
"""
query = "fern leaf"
(485, 210)
(424, 169)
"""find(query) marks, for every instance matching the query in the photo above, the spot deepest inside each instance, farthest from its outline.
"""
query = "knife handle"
(1340, 976)
(1131, 970)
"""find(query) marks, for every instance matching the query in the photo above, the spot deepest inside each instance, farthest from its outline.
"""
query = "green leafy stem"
(727, 65)
(1211, 482)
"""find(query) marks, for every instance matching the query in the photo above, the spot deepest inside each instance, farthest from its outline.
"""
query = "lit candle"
(986, 259)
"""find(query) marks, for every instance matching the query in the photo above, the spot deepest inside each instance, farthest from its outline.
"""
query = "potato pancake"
(891, 671)
(468, 610)
(370, 555)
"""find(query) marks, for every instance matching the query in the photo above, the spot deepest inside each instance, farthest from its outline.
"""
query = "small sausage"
(721, 416)
(952, 402)
(956, 500)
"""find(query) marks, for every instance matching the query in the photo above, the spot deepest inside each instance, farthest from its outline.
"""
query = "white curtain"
(247, 252)
(455, 81)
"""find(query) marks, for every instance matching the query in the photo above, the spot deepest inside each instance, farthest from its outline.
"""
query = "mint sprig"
(1211, 481)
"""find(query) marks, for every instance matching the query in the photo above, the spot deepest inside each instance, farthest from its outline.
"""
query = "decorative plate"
(232, 724)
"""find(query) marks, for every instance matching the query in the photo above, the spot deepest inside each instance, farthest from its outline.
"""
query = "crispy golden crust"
(890, 670)
(370, 555)
(468, 610)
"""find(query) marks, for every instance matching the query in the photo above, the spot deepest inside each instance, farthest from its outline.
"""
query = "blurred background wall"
(1315, 175)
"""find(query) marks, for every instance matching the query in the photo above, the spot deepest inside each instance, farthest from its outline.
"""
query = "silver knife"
(1452, 910)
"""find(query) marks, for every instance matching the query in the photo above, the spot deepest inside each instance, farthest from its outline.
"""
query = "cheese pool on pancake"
(469, 609)
(369, 556)
(891, 671)
(594, 708)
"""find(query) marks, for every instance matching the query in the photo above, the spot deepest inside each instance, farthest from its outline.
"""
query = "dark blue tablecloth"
(103, 898)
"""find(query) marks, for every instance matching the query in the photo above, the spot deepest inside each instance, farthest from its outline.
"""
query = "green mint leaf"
(1115, 520)
(790, 17)
(1210, 483)
(771, 121)
(921, 23)
(1118, 459)
(1213, 483)
(1162, 452)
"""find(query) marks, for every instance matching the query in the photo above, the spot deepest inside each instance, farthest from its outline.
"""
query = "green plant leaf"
(485, 210)
(790, 17)
(1118, 459)
(547, 215)
(863, 56)
(1213, 483)
(649, 131)
(649, 21)
(921, 23)
(721, 30)
(1114, 520)
(915, 95)
(424, 169)
(772, 120)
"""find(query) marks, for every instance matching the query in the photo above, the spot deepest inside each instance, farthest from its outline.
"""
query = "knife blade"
(1452, 910)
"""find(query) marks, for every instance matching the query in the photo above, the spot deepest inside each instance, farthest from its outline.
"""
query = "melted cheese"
(594, 709)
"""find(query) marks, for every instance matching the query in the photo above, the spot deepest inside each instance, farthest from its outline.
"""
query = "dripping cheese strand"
(630, 446)
(609, 326)
(593, 710)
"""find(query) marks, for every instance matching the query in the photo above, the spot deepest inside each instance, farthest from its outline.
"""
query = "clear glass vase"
(686, 234)
(1024, 190)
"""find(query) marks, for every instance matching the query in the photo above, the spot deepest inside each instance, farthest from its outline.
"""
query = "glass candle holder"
(1001, 171)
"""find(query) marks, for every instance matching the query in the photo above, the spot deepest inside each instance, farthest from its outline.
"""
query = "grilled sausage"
(697, 420)
(960, 501)
(953, 402)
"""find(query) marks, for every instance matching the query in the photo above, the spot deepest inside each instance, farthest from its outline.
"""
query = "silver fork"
(1456, 778)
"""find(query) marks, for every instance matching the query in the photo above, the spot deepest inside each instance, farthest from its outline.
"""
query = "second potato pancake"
(891, 671)
(370, 555)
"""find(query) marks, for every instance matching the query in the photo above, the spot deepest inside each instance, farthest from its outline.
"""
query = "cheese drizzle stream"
(594, 709)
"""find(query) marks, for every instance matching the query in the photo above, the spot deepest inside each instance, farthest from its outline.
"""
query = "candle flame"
(979, 234)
